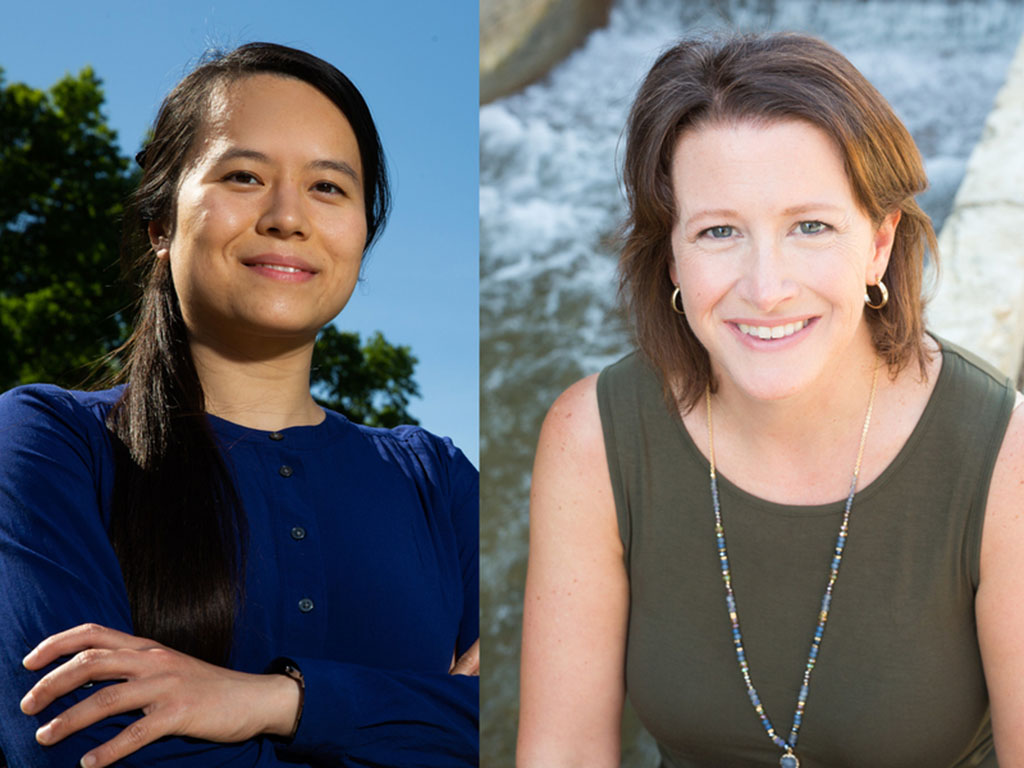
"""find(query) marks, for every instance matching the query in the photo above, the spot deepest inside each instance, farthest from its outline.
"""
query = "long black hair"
(177, 524)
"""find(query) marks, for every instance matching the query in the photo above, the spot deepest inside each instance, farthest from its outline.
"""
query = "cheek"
(211, 220)
(856, 259)
(839, 278)
(346, 234)
(701, 280)
(203, 230)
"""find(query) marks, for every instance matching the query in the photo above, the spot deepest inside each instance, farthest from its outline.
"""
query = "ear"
(885, 236)
(159, 240)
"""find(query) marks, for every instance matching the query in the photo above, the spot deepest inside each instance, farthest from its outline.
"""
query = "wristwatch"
(288, 668)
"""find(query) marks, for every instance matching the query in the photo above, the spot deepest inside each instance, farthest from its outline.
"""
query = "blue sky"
(417, 65)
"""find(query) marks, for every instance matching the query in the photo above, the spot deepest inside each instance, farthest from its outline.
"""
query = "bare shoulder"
(1006, 492)
(572, 427)
(575, 412)
(1003, 533)
(571, 485)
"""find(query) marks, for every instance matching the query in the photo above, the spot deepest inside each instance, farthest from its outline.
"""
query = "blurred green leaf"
(62, 184)
(370, 383)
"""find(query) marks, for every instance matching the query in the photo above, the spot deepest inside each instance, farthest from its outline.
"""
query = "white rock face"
(980, 300)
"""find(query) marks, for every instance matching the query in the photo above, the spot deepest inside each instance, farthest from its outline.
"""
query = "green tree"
(63, 182)
(369, 383)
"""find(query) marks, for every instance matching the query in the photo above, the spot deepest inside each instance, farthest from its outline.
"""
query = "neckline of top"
(299, 437)
(864, 493)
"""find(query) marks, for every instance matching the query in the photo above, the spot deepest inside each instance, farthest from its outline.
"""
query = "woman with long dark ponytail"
(202, 566)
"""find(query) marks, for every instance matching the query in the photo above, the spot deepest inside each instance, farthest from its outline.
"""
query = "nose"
(767, 283)
(285, 214)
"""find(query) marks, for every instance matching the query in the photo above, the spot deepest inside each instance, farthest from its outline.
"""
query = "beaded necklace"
(789, 758)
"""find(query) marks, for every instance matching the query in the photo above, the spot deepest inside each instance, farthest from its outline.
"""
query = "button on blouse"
(385, 580)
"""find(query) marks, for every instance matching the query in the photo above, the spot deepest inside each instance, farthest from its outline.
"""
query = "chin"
(769, 386)
(283, 319)
(280, 328)
(298, 333)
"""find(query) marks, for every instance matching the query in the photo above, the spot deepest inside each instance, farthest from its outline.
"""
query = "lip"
(753, 342)
(266, 265)
(279, 260)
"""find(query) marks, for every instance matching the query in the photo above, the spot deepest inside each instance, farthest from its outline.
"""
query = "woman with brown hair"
(788, 451)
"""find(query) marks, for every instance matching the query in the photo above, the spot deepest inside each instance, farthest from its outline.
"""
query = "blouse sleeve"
(386, 717)
(465, 487)
(394, 718)
(58, 570)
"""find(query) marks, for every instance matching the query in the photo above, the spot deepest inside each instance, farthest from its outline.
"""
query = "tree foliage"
(370, 383)
(63, 182)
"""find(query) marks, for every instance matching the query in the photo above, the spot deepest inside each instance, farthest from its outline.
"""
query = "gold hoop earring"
(677, 302)
(885, 296)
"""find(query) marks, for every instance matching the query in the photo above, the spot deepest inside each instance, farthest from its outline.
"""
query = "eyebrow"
(335, 165)
(811, 207)
(791, 211)
(327, 165)
(713, 213)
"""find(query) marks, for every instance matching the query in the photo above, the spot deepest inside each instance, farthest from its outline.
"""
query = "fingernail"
(88, 761)
(44, 734)
(27, 703)
(24, 661)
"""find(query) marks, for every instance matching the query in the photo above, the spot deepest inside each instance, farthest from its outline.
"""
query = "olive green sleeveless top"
(898, 681)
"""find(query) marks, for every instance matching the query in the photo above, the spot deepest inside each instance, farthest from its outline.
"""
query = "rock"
(980, 299)
(520, 40)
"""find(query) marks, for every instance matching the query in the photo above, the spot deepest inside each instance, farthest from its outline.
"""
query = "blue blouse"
(362, 568)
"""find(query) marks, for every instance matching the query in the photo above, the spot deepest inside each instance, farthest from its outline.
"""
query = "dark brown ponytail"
(177, 524)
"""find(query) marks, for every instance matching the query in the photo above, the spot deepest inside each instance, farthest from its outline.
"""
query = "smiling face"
(270, 220)
(771, 253)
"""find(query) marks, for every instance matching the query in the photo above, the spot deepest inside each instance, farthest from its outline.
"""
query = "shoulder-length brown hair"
(765, 78)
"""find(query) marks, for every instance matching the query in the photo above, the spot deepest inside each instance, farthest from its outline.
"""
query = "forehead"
(778, 164)
(279, 116)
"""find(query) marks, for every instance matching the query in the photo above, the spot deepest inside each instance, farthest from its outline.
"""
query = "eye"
(812, 227)
(242, 177)
(720, 232)
(328, 187)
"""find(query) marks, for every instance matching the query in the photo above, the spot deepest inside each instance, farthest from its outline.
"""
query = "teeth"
(279, 267)
(772, 332)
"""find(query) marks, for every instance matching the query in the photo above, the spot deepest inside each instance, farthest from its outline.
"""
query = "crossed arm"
(177, 694)
(57, 570)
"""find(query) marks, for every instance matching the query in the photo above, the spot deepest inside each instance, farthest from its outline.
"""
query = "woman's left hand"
(468, 663)
(179, 695)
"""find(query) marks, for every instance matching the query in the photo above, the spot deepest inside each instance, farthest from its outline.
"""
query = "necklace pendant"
(789, 760)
